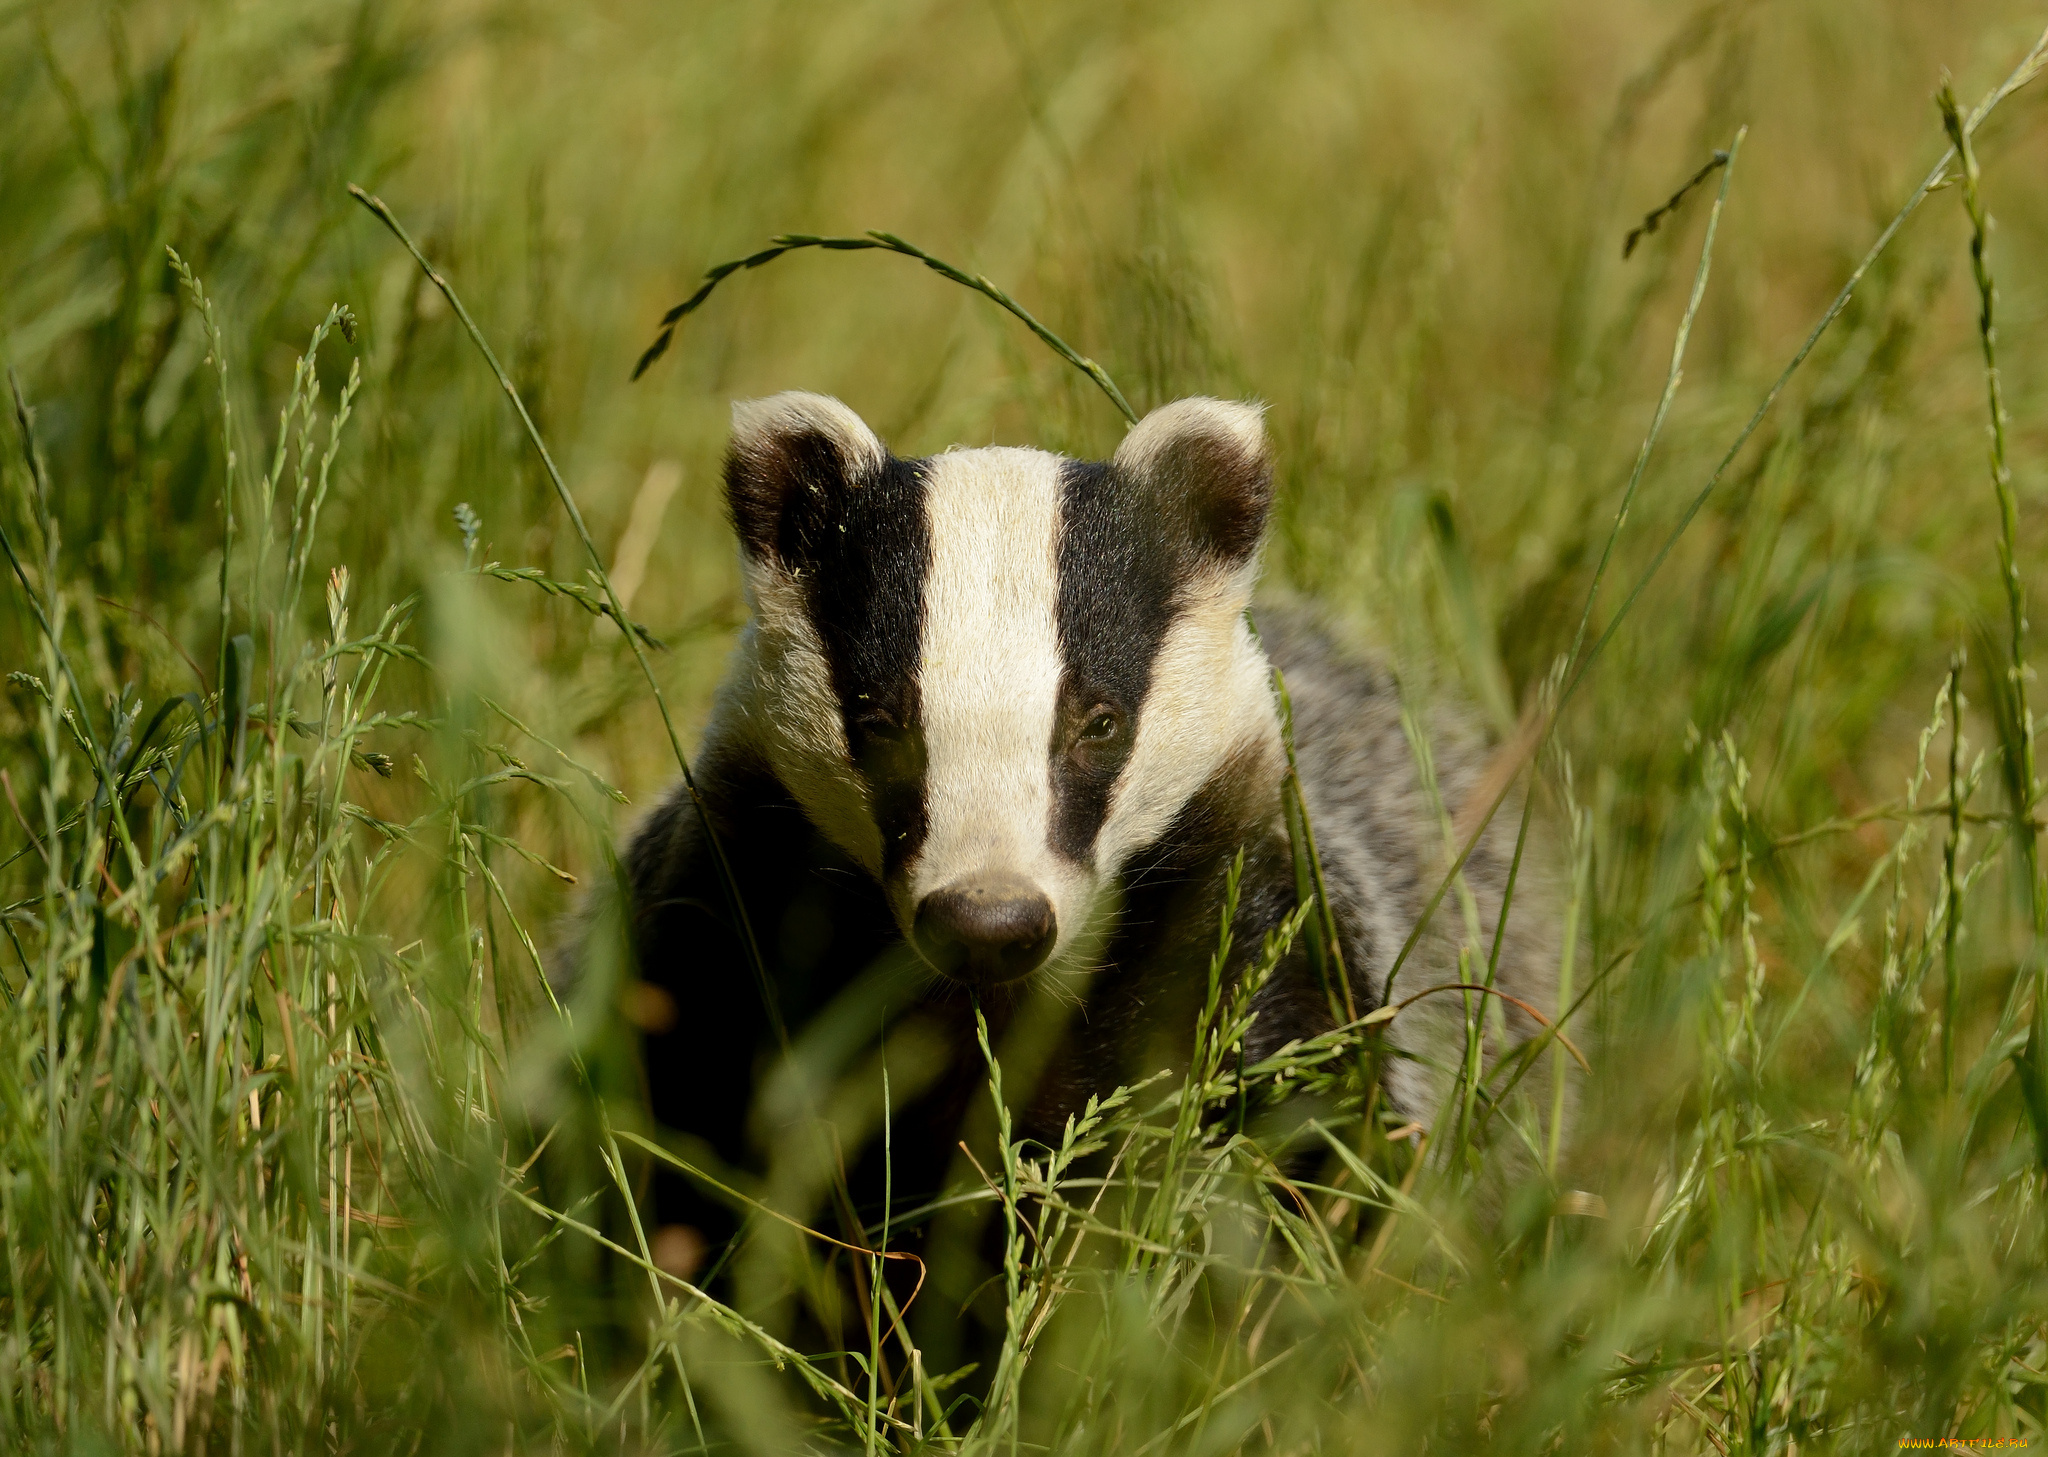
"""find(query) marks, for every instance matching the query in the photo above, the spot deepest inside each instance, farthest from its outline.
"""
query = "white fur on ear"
(1205, 463)
(791, 445)
(759, 427)
(1235, 425)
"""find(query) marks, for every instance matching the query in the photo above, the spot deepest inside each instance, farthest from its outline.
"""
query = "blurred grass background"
(1401, 226)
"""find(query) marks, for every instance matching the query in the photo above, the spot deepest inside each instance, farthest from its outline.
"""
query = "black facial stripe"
(1120, 573)
(862, 552)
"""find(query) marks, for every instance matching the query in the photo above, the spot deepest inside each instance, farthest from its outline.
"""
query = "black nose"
(986, 929)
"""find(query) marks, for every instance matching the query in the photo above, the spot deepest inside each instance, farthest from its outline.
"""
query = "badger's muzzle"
(986, 929)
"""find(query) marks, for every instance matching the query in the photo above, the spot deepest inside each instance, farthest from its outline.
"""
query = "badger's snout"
(986, 929)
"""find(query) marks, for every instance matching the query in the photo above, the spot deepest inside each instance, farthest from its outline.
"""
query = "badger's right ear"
(786, 446)
(1205, 462)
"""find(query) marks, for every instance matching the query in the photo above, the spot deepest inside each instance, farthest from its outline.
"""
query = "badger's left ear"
(787, 448)
(1205, 462)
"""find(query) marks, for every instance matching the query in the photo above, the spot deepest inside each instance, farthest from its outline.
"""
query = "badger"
(1006, 716)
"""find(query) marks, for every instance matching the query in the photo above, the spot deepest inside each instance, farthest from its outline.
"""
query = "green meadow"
(357, 602)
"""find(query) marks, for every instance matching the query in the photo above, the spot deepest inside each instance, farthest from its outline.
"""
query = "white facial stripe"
(783, 689)
(1209, 698)
(990, 674)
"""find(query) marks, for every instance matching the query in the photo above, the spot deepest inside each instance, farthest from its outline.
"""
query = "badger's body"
(1007, 710)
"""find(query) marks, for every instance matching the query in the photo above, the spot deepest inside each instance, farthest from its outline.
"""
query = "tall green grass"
(319, 701)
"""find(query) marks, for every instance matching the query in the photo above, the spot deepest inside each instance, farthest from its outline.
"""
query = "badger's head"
(993, 676)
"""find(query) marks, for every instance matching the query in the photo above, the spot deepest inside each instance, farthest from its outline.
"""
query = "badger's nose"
(986, 929)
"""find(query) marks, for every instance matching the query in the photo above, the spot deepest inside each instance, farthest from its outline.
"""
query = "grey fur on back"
(1386, 842)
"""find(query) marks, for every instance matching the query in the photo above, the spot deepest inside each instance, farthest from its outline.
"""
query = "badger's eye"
(886, 749)
(1102, 726)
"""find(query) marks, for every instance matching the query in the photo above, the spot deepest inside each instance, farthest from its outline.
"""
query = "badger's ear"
(789, 444)
(1205, 463)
